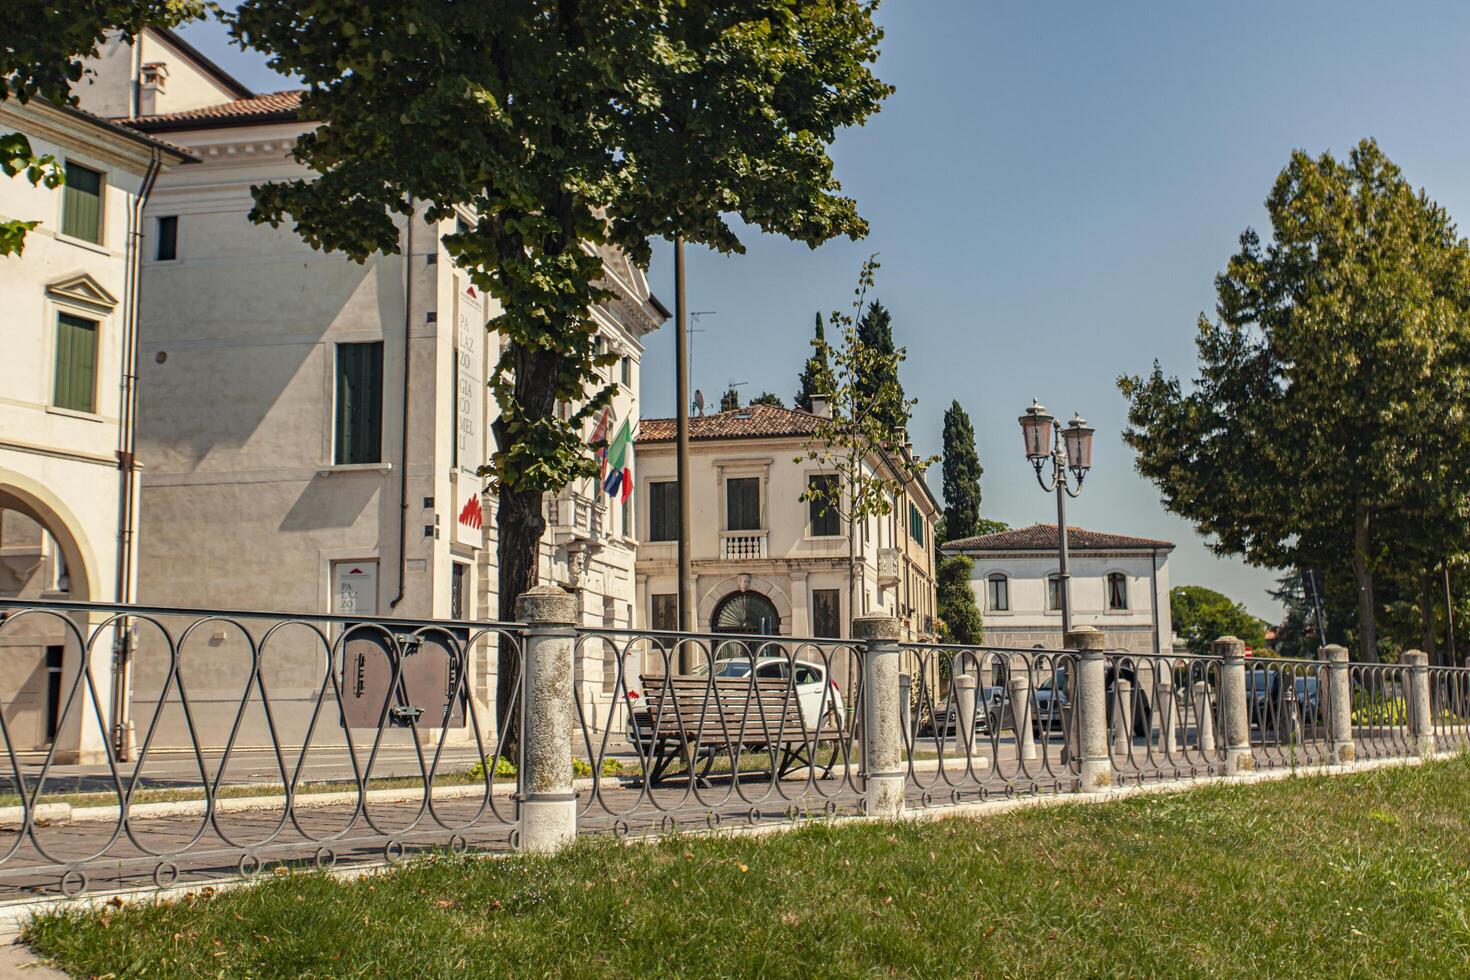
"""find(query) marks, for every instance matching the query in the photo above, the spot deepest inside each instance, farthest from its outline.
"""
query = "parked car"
(944, 721)
(1049, 697)
(1265, 694)
(811, 681)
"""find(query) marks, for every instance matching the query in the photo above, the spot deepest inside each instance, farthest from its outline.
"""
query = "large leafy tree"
(1332, 381)
(563, 127)
(1201, 616)
(768, 398)
(816, 374)
(875, 329)
(961, 471)
(43, 52)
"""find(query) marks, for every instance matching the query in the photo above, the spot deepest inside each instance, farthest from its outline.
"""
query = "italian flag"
(619, 460)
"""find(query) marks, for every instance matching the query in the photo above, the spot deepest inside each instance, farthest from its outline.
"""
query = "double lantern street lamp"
(1070, 450)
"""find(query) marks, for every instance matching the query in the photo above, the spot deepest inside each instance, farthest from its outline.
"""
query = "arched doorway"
(746, 612)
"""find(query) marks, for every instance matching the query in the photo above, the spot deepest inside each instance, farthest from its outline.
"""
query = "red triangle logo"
(472, 515)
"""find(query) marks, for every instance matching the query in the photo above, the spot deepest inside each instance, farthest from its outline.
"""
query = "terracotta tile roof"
(270, 107)
(749, 422)
(1043, 537)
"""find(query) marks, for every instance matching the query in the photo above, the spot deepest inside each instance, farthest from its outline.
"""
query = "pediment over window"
(82, 289)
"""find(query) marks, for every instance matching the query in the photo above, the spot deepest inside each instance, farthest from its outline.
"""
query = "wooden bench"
(692, 719)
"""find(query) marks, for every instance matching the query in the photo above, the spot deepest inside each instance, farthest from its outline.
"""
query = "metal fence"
(257, 738)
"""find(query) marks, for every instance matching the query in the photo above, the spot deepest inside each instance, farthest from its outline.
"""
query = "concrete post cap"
(966, 680)
(546, 605)
(1414, 658)
(1335, 653)
(1086, 639)
(877, 628)
(1228, 647)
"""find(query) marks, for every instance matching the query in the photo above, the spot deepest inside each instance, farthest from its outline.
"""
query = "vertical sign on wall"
(469, 349)
(355, 588)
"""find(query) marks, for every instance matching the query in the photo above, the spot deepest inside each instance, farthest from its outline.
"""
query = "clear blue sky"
(1052, 190)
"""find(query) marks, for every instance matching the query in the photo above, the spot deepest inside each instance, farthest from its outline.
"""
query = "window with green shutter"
(76, 364)
(743, 504)
(81, 203)
(359, 422)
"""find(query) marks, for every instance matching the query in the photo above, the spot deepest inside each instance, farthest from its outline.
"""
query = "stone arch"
(744, 583)
(28, 497)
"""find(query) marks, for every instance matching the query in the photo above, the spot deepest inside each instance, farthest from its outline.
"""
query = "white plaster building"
(763, 560)
(312, 426)
(1120, 585)
(67, 506)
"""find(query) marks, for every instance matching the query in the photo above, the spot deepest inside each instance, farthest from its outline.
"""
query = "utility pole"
(688, 655)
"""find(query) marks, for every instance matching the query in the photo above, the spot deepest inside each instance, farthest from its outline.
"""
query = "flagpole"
(687, 652)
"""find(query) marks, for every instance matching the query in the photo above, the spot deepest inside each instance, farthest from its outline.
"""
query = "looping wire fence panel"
(1165, 717)
(982, 723)
(709, 730)
(1380, 710)
(1449, 700)
(1287, 704)
(253, 738)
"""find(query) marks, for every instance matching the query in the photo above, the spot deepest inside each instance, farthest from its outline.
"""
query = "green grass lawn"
(1323, 876)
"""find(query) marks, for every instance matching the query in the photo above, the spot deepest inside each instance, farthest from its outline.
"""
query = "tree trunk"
(1363, 574)
(1429, 628)
(519, 524)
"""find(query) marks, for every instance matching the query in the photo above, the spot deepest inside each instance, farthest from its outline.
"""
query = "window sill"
(333, 468)
(97, 247)
(73, 413)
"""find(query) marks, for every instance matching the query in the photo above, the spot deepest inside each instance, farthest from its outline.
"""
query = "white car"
(818, 698)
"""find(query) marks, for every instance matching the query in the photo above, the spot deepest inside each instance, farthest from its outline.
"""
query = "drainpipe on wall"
(126, 458)
(1153, 590)
(403, 442)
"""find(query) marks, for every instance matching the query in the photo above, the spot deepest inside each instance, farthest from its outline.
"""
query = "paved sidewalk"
(17, 962)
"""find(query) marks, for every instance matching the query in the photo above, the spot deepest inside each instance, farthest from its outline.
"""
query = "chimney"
(152, 83)
(821, 406)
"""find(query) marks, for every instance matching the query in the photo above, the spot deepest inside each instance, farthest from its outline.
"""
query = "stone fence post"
(882, 733)
(1089, 697)
(906, 706)
(963, 686)
(1339, 704)
(1234, 705)
(548, 808)
(1421, 715)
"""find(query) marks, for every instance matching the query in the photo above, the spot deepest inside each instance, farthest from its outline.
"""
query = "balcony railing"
(573, 517)
(743, 545)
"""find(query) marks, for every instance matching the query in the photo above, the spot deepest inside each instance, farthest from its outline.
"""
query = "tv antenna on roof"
(691, 330)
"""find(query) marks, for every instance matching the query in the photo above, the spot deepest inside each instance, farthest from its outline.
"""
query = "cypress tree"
(961, 471)
(875, 331)
(816, 374)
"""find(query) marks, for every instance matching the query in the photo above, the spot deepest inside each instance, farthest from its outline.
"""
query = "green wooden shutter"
(76, 364)
(359, 422)
(81, 204)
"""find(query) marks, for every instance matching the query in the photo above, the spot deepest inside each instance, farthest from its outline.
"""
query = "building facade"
(312, 427)
(1120, 585)
(68, 510)
(763, 560)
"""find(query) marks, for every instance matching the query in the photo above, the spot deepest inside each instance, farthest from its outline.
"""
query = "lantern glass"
(1036, 431)
(1077, 437)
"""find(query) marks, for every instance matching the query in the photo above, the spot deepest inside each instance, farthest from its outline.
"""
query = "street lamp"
(1069, 448)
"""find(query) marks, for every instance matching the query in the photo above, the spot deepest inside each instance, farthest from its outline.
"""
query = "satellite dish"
(698, 402)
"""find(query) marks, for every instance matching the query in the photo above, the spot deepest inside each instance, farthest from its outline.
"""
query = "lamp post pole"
(1069, 449)
(687, 654)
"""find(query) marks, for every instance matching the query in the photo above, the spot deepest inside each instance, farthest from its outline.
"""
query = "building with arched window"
(1120, 585)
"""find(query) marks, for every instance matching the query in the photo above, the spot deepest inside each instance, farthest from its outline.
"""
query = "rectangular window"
(627, 372)
(743, 504)
(663, 511)
(1054, 592)
(359, 428)
(1117, 590)
(916, 524)
(81, 203)
(76, 364)
(54, 660)
(998, 593)
(822, 509)
(627, 517)
(168, 239)
(826, 612)
(665, 613)
(457, 578)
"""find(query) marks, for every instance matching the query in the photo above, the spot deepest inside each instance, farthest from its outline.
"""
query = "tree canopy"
(816, 374)
(961, 472)
(1201, 616)
(1327, 415)
(554, 130)
(768, 398)
(959, 616)
(875, 329)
